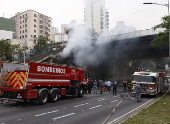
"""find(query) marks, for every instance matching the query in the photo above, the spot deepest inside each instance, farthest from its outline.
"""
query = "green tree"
(5, 50)
(162, 39)
(41, 44)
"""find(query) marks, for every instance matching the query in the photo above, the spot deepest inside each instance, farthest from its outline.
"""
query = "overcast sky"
(132, 12)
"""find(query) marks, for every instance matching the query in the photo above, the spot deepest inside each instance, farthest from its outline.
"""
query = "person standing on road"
(138, 90)
(105, 85)
(114, 84)
(108, 86)
(101, 84)
(124, 84)
(90, 85)
(95, 86)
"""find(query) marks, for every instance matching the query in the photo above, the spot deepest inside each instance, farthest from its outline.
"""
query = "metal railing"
(135, 34)
(47, 52)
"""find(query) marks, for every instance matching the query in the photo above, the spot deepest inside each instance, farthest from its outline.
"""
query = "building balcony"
(107, 13)
(101, 18)
(107, 19)
(101, 22)
(107, 16)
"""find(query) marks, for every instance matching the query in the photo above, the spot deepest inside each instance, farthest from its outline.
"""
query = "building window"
(34, 40)
(34, 20)
(34, 36)
(41, 16)
(35, 15)
(20, 22)
(22, 36)
(25, 25)
(20, 27)
(25, 36)
(23, 16)
(34, 31)
(41, 26)
(20, 17)
(35, 26)
(23, 31)
(20, 32)
(48, 20)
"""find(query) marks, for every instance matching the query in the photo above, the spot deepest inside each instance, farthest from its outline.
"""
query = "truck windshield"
(85, 74)
(144, 78)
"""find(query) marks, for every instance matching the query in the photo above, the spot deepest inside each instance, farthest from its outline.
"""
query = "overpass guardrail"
(135, 34)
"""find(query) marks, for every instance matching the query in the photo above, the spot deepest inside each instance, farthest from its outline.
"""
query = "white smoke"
(81, 44)
(86, 51)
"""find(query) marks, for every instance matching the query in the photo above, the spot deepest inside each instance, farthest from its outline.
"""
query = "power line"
(136, 12)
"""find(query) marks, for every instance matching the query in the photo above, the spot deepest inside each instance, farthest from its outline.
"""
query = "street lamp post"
(25, 20)
(167, 5)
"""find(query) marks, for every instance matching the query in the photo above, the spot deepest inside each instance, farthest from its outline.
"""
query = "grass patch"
(157, 113)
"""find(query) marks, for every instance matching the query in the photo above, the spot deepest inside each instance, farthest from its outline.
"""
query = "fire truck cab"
(151, 83)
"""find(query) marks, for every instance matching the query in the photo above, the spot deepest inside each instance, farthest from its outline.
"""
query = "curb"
(136, 110)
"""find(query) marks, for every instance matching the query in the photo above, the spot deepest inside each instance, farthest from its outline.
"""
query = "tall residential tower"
(96, 15)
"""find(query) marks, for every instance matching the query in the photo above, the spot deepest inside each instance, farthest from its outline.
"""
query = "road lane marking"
(46, 113)
(101, 99)
(114, 101)
(81, 105)
(62, 116)
(96, 106)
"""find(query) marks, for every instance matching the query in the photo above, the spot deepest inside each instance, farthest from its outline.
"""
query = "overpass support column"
(50, 61)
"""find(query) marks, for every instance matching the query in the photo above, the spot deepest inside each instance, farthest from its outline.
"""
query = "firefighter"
(124, 84)
(129, 85)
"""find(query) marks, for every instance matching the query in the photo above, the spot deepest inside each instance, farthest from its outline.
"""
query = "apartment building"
(31, 24)
(96, 16)
(64, 28)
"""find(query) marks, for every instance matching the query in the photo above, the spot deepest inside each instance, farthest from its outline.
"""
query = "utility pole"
(167, 5)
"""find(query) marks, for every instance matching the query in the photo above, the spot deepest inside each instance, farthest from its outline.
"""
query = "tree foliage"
(162, 39)
(6, 50)
(41, 44)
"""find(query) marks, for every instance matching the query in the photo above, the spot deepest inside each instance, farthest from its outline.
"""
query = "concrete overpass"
(134, 45)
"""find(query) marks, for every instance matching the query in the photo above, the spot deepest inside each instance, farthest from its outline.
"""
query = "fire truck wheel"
(43, 97)
(80, 92)
(54, 96)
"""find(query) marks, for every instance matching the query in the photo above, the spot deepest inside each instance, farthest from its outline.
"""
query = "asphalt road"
(91, 109)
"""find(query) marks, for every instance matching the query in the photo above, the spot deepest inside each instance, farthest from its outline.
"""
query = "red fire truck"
(40, 82)
(151, 83)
